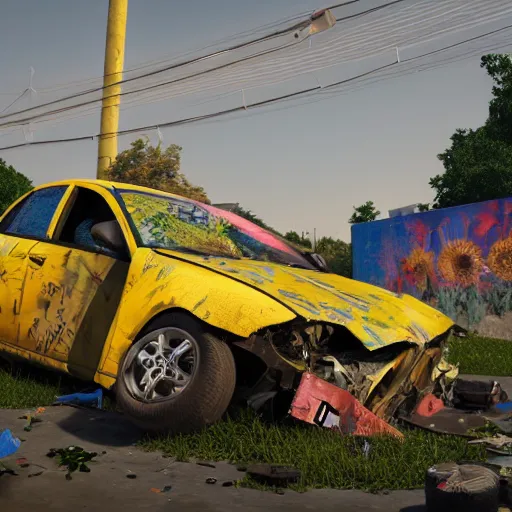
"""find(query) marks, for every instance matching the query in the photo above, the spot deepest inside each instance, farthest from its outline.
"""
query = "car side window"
(89, 209)
(32, 217)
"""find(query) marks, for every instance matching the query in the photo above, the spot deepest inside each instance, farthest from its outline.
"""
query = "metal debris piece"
(206, 464)
(273, 474)
(429, 406)
(211, 480)
(501, 444)
(320, 403)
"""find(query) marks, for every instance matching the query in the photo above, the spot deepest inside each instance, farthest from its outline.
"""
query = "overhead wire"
(162, 60)
(329, 93)
(14, 101)
(270, 68)
(402, 73)
(250, 106)
(264, 38)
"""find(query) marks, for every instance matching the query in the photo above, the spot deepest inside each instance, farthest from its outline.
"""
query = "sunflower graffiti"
(499, 260)
(458, 259)
(460, 262)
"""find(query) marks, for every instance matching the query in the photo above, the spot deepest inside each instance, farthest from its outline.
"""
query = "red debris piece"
(429, 406)
(324, 404)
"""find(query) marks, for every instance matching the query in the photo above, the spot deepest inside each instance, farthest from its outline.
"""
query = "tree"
(295, 238)
(478, 164)
(13, 185)
(477, 168)
(364, 213)
(156, 168)
(499, 122)
(337, 254)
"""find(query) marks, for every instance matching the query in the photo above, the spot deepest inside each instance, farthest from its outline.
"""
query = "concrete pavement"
(107, 487)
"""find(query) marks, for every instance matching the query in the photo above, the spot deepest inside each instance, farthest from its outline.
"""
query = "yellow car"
(178, 303)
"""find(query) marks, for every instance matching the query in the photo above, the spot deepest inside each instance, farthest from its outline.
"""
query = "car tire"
(205, 398)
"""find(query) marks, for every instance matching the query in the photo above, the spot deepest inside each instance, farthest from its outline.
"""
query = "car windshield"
(185, 225)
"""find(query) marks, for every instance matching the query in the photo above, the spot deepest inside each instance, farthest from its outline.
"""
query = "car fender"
(158, 283)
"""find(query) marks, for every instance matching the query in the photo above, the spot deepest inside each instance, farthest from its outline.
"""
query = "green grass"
(325, 458)
(21, 390)
(481, 356)
(26, 387)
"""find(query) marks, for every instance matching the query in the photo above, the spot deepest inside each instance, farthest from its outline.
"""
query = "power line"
(251, 106)
(14, 101)
(269, 72)
(291, 29)
(161, 60)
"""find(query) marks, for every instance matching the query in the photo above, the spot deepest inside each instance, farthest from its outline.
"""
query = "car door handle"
(38, 260)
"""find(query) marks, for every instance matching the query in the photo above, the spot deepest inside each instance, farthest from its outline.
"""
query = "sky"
(297, 168)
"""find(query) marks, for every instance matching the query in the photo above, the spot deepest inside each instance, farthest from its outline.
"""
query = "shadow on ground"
(100, 427)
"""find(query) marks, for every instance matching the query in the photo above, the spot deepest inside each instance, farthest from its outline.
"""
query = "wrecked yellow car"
(178, 304)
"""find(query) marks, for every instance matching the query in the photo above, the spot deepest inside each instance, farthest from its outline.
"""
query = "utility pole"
(113, 73)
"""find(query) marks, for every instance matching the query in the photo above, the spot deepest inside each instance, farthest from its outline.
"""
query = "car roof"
(112, 185)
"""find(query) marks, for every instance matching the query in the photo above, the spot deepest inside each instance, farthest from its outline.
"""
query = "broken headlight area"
(388, 381)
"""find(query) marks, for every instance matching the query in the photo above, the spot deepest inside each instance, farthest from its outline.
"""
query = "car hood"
(377, 317)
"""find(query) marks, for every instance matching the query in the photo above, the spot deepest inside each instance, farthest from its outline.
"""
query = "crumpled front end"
(388, 381)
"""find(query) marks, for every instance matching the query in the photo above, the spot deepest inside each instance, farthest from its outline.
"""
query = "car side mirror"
(110, 234)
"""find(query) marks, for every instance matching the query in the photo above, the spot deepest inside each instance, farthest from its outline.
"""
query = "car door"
(72, 288)
(22, 227)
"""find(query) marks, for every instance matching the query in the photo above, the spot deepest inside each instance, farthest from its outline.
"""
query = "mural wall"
(458, 260)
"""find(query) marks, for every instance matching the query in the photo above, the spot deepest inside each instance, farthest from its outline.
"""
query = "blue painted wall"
(459, 259)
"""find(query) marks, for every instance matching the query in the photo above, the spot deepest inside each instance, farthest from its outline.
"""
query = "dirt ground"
(108, 487)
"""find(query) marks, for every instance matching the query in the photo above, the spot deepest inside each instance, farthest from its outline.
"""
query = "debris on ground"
(320, 403)
(131, 476)
(475, 395)
(83, 399)
(32, 417)
(74, 458)
(229, 483)
(206, 464)
(8, 444)
(471, 488)
(7, 471)
(273, 474)
(167, 488)
(499, 442)
(211, 480)
(429, 406)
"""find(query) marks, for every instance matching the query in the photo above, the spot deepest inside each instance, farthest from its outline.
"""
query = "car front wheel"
(177, 377)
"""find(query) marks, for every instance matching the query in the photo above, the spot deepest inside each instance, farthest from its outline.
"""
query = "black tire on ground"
(472, 489)
(203, 401)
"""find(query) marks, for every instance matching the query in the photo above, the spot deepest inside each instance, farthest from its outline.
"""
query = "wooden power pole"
(113, 73)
